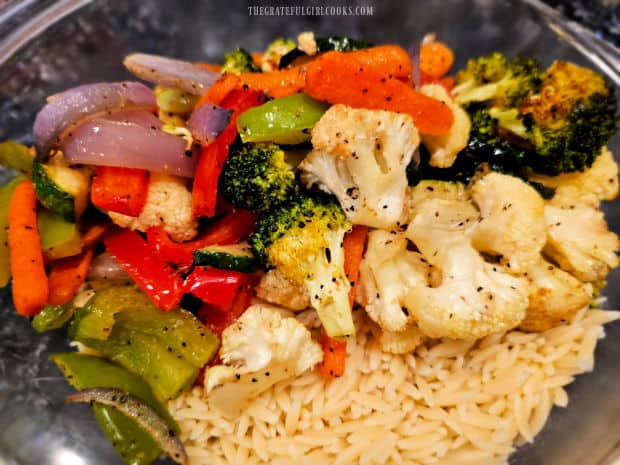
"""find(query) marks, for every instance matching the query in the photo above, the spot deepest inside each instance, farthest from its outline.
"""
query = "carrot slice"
(210, 66)
(334, 356)
(94, 234)
(218, 91)
(354, 244)
(278, 83)
(257, 58)
(30, 287)
(436, 59)
(389, 61)
(335, 79)
(66, 277)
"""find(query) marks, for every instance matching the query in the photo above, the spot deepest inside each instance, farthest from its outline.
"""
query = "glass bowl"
(48, 46)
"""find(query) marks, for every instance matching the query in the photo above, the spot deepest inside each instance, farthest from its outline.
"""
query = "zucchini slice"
(236, 257)
(61, 189)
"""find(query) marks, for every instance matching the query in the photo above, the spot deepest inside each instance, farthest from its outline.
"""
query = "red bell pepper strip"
(232, 228)
(214, 286)
(213, 156)
(158, 279)
(217, 319)
(120, 190)
(334, 356)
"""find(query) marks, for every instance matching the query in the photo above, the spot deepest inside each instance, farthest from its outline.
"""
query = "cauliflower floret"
(276, 288)
(387, 272)
(360, 156)
(512, 222)
(401, 342)
(445, 148)
(474, 298)
(432, 189)
(168, 204)
(555, 296)
(307, 43)
(589, 187)
(579, 242)
(258, 350)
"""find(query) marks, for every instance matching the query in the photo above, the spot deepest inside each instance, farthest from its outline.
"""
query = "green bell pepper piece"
(5, 198)
(53, 317)
(96, 319)
(59, 238)
(287, 120)
(16, 156)
(172, 100)
(131, 441)
(144, 355)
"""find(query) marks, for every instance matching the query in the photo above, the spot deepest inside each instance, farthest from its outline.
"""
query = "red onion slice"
(70, 107)
(141, 413)
(142, 118)
(105, 268)
(169, 72)
(207, 121)
(128, 145)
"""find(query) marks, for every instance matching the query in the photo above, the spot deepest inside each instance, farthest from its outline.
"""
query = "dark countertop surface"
(601, 16)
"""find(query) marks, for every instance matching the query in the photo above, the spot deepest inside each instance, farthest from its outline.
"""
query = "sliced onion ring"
(207, 121)
(105, 268)
(169, 72)
(141, 413)
(128, 145)
(68, 108)
(140, 117)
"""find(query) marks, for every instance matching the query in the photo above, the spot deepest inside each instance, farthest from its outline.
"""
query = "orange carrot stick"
(389, 61)
(30, 288)
(210, 66)
(218, 91)
(94, 234)
(335, 79)
(354, 244)
(436, 59)
(278, 83)
(334, 356)
(66, 277)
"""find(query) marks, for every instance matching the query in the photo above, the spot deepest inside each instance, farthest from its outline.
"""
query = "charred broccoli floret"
(570, 120)
(552, 122)
(498, 79)
(239, 61)
(256, 177)
(303, 240)
(278, 48)
(484, 149)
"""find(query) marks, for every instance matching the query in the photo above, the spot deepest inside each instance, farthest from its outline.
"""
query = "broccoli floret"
(239, 61)
(570, 120)
(552, 122)
(485, 149)
(276, 50)
(495, 78)
(256, 177)
(303, 240)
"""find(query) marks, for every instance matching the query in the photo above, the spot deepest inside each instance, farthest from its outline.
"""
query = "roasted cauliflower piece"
(444, 149)
(277, 289)
(512, 220)
(555, 296)
(387, 272)
(588, 187)
(168, 204)
(474, 298)
(579, 242)
(258, 350)
(401, 342)
(360, 156)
